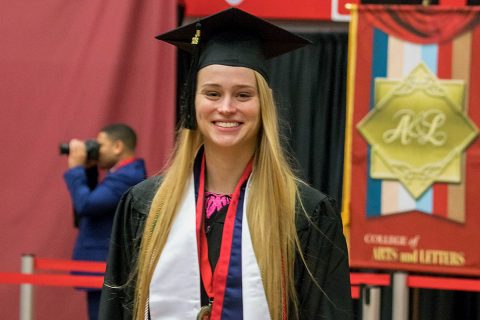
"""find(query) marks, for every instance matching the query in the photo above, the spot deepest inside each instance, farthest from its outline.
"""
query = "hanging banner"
(326, 10)
(412, 157)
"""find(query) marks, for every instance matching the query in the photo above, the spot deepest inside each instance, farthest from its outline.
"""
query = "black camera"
(92, 146)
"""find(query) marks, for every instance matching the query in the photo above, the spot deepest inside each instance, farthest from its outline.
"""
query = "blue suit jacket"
(95, 206)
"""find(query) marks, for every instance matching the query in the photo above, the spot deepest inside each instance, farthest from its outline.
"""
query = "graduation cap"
(231, 37)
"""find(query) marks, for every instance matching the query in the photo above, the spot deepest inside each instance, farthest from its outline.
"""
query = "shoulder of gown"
(117, 292)
(322, 276)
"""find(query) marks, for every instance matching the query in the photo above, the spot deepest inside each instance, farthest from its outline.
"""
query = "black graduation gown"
(321, 238)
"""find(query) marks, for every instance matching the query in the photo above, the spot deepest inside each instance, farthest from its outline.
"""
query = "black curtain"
(309, 85)
(444, 305)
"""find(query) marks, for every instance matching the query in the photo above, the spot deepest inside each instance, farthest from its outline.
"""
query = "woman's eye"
(212, 94)
(244, 95)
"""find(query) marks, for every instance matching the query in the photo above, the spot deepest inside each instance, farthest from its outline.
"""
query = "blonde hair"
(270, 211)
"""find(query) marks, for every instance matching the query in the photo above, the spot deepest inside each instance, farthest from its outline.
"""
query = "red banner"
(400, 217)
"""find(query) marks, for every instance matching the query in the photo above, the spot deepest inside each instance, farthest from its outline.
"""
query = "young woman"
(228, 231)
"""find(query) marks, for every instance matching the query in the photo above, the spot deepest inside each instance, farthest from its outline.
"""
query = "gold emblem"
(418, 130)
(196, 37)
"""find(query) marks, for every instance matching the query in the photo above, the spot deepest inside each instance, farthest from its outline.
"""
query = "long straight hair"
(270, 211)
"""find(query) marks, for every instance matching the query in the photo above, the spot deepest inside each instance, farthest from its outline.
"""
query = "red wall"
(67, 68)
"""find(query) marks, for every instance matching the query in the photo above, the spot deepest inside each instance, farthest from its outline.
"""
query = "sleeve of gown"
(325, 252)
(117, 292)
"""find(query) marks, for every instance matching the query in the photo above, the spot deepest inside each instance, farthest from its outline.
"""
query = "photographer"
(95, 202)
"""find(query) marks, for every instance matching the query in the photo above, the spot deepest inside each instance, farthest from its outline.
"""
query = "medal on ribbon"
(204, 313)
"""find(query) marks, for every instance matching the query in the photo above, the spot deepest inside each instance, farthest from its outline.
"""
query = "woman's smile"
(226, 124)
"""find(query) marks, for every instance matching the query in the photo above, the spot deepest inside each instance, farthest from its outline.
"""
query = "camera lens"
(64, 148)
(92, 147)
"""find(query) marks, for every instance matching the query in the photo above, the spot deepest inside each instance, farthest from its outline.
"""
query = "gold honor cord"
(347, 165)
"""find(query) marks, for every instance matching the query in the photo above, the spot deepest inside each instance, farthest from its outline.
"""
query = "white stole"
(175, 286)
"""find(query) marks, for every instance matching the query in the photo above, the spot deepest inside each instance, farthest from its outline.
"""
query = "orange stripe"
(461, 58)
(444, 71)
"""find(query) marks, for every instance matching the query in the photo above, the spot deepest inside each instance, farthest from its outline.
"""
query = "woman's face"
(227, 107)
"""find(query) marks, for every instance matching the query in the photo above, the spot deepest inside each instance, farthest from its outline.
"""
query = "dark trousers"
(93, 303)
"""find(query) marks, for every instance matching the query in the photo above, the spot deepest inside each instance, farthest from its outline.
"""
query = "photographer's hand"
(78, 153)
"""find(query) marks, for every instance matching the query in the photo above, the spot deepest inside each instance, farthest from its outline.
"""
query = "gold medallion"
(418, 130)
(204, 313)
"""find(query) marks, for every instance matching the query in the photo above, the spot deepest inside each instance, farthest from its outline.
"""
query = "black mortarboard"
(231, 37)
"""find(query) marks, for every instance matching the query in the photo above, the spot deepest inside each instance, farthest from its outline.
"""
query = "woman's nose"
(227, 105)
